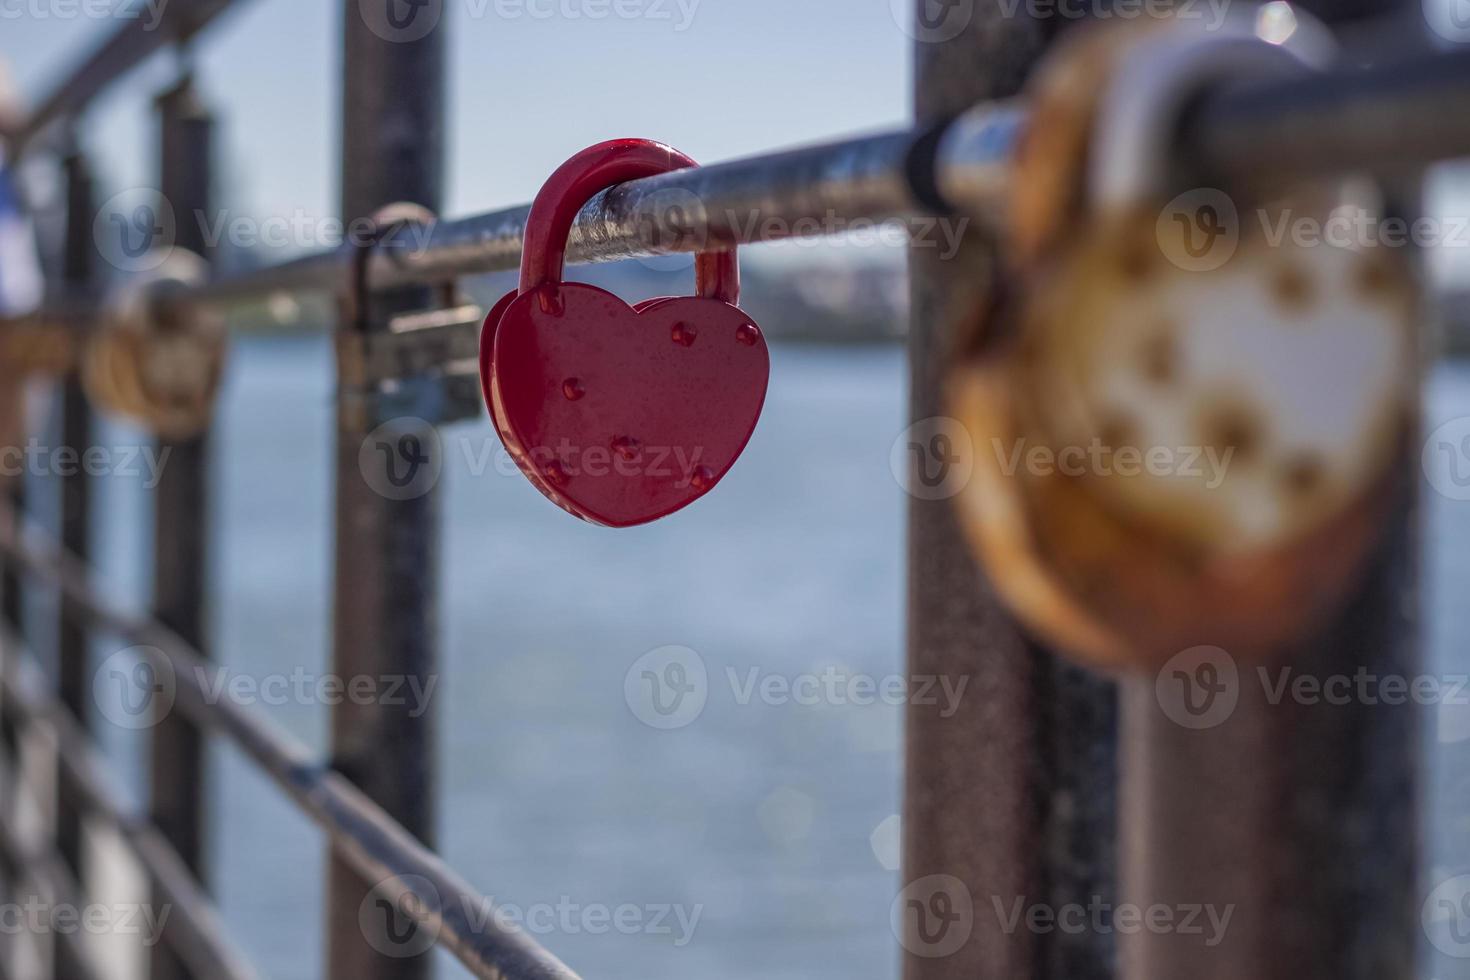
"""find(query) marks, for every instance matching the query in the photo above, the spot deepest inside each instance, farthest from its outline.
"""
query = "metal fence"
(1036, 789)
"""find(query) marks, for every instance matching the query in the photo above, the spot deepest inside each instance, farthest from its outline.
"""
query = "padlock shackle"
(554, 212)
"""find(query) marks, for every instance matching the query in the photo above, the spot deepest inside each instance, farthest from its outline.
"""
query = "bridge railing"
(374, 797)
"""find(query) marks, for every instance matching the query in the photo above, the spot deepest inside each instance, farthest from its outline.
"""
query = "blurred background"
(777, 821)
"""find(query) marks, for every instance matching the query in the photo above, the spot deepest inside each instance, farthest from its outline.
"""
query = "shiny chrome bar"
(1282, 131)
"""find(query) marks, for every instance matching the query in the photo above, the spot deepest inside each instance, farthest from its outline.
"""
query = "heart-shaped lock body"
(620, 414)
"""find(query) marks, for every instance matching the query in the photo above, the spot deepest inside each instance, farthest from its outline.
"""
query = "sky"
(531, 82)
(783, 73)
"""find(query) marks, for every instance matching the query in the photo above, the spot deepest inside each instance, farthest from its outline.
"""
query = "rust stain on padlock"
(36, 347)
(1219, 453)
(1176, 446)
(1051, 155)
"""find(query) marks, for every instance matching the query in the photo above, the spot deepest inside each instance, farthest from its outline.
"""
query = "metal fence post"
(1012, 798)
(13, 432)
(12, 429)
(73, 680)
(1301, 816)
(386, 549)
(181, 516)
(12, 605)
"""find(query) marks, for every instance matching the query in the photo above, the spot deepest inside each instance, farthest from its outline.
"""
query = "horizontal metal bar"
(193, 928)
(1390, 119)
(154, 28)
(719, 206)
(360, 832)
(1415, 117)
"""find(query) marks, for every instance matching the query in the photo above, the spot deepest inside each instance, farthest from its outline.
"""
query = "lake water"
(761, 816)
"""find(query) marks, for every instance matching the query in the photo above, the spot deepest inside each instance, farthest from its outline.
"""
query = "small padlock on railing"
(161, 370)
(37, 346)
(1185, 430)
(620, 414)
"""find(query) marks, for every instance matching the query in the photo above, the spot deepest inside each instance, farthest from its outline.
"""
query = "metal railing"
(374, 797)
(1393, 117)
(360, 832)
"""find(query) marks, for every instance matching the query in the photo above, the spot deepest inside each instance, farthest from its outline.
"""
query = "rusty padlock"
(620, 414)
(1185, 425)
(162, 370)
(37, 346)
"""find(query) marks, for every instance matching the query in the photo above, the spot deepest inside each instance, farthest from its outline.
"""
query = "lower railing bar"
(1416, 108)
(193, 929)
(381, 851)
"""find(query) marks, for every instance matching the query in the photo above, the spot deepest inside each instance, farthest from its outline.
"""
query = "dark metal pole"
(181, 518)
(386, 549)
(73, 680)
(12, 603)
(1300, 816)
(1009, 802)
(1298, 820)
(10, 874)
(11, 598)
(13, 431)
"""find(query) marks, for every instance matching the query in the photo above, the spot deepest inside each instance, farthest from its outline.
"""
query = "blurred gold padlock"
(36, 346)
(1188, 421)
(162, 370)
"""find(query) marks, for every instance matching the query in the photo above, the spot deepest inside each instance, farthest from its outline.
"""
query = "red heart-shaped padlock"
(620, 414)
